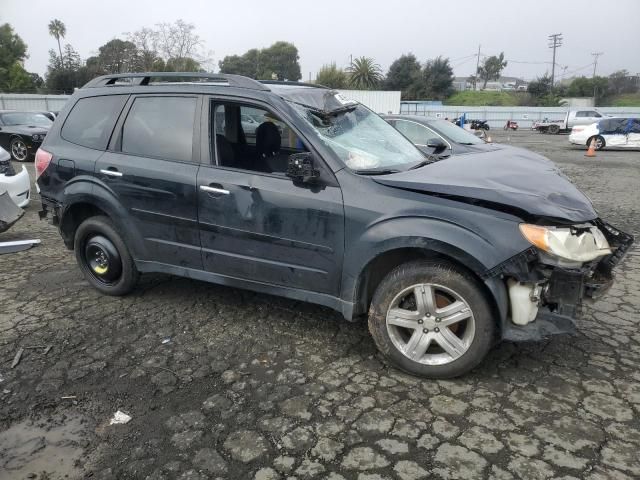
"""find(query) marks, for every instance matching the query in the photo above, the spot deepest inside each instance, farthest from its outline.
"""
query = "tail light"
(43, 159)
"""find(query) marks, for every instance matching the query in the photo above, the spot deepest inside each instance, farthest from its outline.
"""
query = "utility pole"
(555, 41)
(475, 81)
(593, 78)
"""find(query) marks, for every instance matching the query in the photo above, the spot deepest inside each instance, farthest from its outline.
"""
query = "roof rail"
(297, 84)
(133, 79)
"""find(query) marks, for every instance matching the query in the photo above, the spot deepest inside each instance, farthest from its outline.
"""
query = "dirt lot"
(231, 384)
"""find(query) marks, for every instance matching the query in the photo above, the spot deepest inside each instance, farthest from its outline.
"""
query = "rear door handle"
(111, 173)
(208, 189)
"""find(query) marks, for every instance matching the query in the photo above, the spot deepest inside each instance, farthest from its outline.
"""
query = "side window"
(160, 127)
(413, 131)
(251, 138)
(596, 115)
(582, 114)
(92, 119)
(635, 125)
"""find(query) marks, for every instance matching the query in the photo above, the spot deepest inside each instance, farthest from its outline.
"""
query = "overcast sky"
(329, 30)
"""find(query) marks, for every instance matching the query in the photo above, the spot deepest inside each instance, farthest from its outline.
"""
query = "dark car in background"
(142, 173)
(439, 137)
(21, 133)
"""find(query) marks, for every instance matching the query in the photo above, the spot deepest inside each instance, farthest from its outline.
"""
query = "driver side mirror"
(300, 168)
(436, 143)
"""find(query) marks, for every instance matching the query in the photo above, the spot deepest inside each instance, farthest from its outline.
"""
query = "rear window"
(91, 121)
(160, 127)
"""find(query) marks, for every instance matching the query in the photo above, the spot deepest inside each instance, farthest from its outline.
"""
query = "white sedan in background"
(18, 185)
(610, 132)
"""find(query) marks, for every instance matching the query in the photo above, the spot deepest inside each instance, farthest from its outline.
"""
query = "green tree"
(542, 94)
(281, 60)
(57, 30)
(246, 64)
(540, 87)
(364, 74)
(17, 79)
(332, 76)
(184, 64)
(402, 74)
(66, 73)
(435, 81)
(491, 68)
(621, 82)
(13, 52)
(116, 56)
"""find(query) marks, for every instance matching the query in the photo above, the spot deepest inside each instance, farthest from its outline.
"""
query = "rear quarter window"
(92, 119)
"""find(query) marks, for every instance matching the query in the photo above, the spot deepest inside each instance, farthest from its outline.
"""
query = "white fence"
(381, 102)
(498, 116)
(47, 103)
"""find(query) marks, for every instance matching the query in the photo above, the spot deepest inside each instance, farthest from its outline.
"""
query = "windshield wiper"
(375, 171)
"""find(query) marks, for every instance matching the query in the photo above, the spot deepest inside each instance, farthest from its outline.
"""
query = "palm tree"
(58, 30)
(364, 73)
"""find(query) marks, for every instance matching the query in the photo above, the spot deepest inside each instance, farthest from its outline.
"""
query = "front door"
(255, 223)
(152, 169)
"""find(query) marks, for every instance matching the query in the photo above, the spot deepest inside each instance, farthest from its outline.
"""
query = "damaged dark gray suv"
(293, 190)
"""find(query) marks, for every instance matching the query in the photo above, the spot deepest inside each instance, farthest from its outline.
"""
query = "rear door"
(151, 167)
(633, 140)
(255, 223)
(614, 131)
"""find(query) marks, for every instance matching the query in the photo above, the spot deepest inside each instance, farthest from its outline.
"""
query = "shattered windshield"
(361, 139)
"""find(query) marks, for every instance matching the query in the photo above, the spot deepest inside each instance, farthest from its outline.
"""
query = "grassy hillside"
(481, 99)
(629, 100)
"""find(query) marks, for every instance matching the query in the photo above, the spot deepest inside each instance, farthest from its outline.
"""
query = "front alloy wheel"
(19, 150)
(432, 318)
(430, 324)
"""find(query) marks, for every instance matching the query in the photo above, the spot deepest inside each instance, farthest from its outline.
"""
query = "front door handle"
(111, 173)
(208, 189)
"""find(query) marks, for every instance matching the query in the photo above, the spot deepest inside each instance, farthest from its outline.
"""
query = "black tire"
(120, 275)
(485, 127)
(600, 142)
(440, 274)
(18, 150)
(554, 129)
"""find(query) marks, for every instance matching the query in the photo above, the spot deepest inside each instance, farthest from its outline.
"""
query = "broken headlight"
(578, 244)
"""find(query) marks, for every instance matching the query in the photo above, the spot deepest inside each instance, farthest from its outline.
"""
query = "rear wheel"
(600, 143)
(554, 129)
(431, 319)
(104, 258)
(19, 151)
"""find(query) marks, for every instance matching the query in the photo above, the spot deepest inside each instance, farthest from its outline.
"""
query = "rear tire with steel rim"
(431, 319)
(104, 258)
(18, 149)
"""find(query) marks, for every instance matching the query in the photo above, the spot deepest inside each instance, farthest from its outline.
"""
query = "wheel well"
(380, 266)
(73, 217)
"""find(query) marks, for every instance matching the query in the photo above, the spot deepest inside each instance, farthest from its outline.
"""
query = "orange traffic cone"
(591, 152)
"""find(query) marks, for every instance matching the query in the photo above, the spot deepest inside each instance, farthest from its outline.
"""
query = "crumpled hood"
(509, 176)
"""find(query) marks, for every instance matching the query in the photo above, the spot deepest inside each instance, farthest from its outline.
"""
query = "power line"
(555, 41)
(595, 65)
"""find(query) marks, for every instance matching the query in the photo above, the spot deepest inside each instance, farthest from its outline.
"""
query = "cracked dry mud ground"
(251, 386)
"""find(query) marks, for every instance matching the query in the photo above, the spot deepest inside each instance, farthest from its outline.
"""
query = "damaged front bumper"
(553, 295)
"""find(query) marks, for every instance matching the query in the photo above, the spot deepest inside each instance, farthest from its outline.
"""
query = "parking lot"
(224, 383)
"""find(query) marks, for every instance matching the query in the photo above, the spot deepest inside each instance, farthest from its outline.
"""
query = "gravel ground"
(224, 383)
